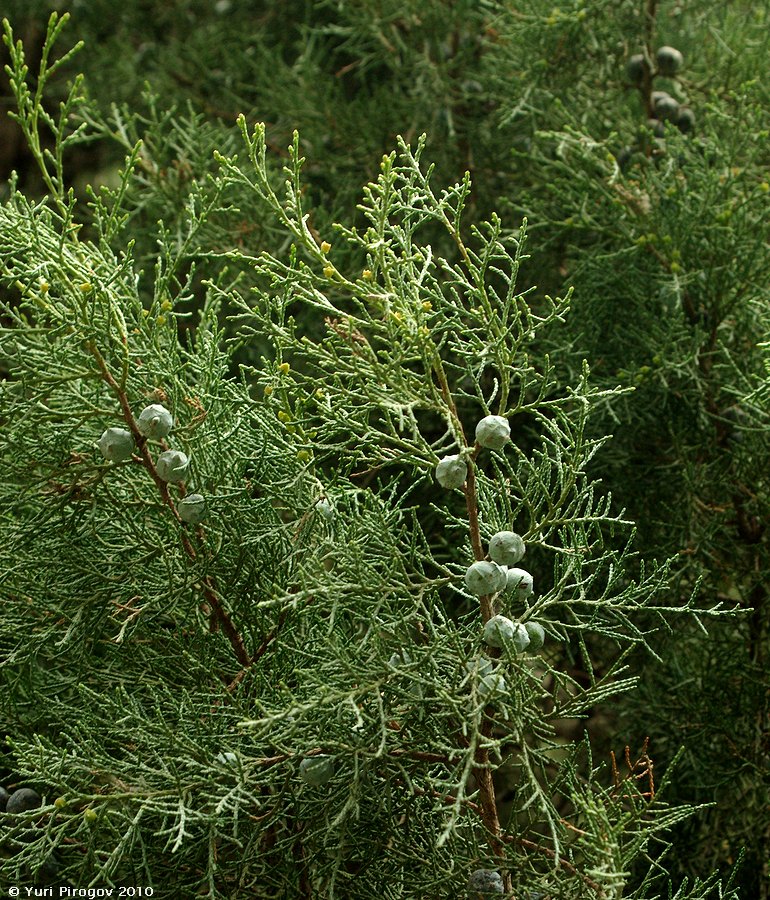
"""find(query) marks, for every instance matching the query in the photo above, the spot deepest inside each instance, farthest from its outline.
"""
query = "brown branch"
(209, 588)
(567, 866)
(513, 839)
(260, 651)
(484, 776)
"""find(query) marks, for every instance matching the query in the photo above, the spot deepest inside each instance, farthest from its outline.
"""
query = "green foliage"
(170, 684)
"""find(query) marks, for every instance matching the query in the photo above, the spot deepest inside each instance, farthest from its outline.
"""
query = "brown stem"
(513, 839)
(472, 506)
(260, 651)
(488, 811)
(209, 588)
(531, 845)
(484, 777)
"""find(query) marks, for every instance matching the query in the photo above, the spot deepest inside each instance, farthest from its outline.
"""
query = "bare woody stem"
(471, 500)
(472, 506)
(208, 586)
(483, 774)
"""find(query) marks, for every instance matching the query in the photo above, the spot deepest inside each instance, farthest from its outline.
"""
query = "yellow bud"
(284, 416)
(303, 455)
(292, 429)
(427, 305)
(367, 275)
(268, 390)
(167, 304)
(60, 802)
(161, 320)
(86, 287)
(328, 271)
(284, 367)
(320, 394)
(675, 268)
(764, 186)
(397, 316)
(44, 286)
(90, 815)
(325, 247)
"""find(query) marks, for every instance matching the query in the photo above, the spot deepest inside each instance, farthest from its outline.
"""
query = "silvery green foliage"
(192, 509)
(536, 634)
(485, 883)
(485, 577)
(116, 444)
(172, 465)
(506, 548)
(520, 581)
(669, 61)
(499, 631)
(316, 770)
(493, 432)
(155, 421)
(271, 633)
(451, 472)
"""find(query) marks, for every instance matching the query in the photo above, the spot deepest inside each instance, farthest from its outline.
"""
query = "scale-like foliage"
(294, 698)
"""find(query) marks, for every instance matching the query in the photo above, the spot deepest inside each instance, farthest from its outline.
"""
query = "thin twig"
(207, 582)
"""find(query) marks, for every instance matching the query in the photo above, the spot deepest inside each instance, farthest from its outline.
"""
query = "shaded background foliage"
(667, 252)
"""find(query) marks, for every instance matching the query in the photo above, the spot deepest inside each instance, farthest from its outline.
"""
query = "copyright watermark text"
(86, 893)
